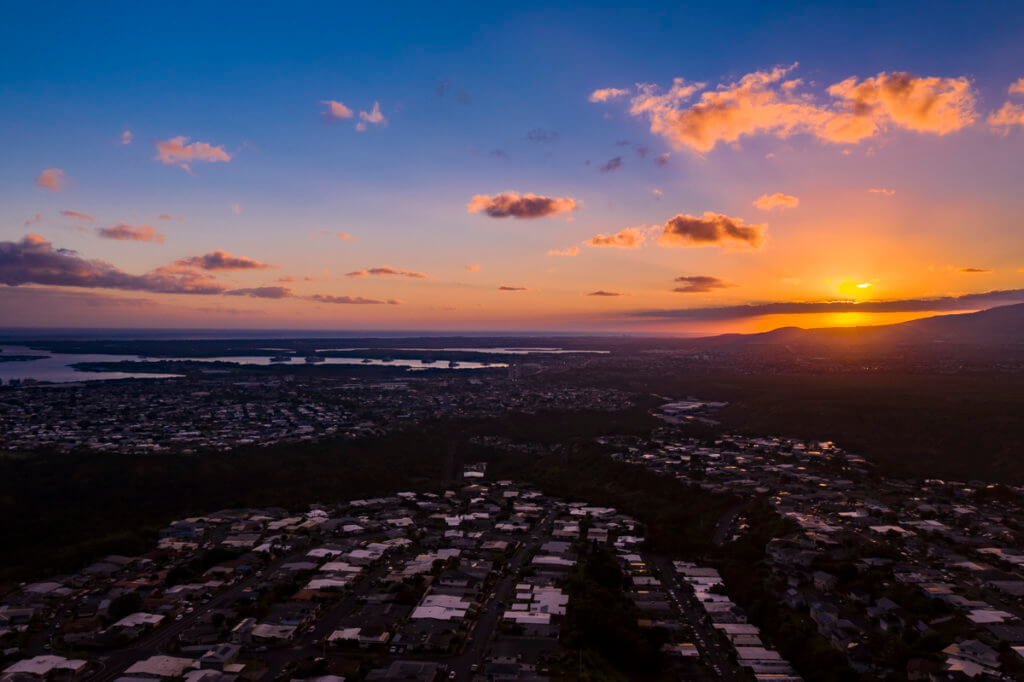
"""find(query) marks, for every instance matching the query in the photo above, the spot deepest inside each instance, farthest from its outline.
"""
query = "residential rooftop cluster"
(881, 566)
(219, 410)
(469, 583)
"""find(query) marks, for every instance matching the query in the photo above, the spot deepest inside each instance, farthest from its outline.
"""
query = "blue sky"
(252, 79)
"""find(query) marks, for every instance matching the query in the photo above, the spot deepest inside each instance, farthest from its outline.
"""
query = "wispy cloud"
(603, 293)
(626, 238)
(882, 190)
(178, 151)
(473, 268)
(1008, 116)
(262, 292)
(349, 300)
(541, 135)
(36, 217)
(77, 215)
(699, 284)
(974, 271)
(606, 94)
(612, 165)
(571, 251)
(386, 271)
(511, 204)
(373, 117)
(504, 287)
(767, 202)
(913, 305)
(53, 180)
(126, 137)
(123, 232)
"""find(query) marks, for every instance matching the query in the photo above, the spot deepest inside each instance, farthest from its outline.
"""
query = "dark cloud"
(699, 284)
(612, 165)
(33, 260)
(662, 160)
(508, 288)
(442, 87)
(621, 143)
(915, 305)
(222, 260)
(262, 292)
(602, 292)
(526, 206)
(498, 153)
(541, 135)
(641, 151)
(711, 228)
(974, 270)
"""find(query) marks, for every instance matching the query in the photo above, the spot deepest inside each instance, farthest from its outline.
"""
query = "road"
(487, 623)
(707, 639)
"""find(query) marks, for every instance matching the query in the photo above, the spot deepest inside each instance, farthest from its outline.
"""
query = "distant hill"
(1001, 326)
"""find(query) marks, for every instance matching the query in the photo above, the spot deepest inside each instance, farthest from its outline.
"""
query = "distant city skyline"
(462, 168)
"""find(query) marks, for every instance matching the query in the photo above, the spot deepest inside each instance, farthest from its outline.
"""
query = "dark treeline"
(953, 426)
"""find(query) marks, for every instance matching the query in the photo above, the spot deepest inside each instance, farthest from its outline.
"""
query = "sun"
(856, 289)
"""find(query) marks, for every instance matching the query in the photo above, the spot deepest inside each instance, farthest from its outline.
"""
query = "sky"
(698, 169)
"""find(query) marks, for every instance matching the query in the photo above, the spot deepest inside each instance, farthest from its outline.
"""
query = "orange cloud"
(526, 206)
(473, 268)
(1009, 115)
(882, 190)
(286, 279)
(175, 152)
(626, 238)
(52, 179)
(168, 216)
(1017, 87)
(605, 94)
(336, 111)
(126, 137)
(222, 260)
(142, 233)
(767, 202)
(36, 217)
(386, 271)
(709, 229)
(699, 284)
(77, 216)
(764, 102)
(922, 104)
(571, 251)
(346, 237)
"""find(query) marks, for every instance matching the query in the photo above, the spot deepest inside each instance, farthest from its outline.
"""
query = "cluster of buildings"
(469, 583)
(923, 579)
(222, 409)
